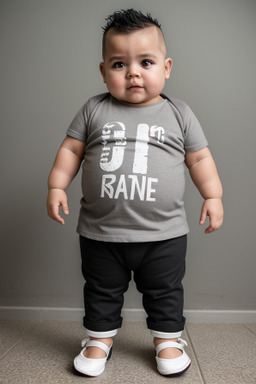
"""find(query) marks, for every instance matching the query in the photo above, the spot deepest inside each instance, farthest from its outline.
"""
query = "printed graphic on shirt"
(112, 157)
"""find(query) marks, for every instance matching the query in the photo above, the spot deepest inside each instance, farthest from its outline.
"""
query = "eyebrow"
(143, 55)
(148, 55)
(113, 58)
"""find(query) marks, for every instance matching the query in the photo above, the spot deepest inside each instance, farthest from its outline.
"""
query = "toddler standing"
(134, 143)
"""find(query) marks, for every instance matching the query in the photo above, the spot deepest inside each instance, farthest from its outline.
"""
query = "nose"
(133, 71)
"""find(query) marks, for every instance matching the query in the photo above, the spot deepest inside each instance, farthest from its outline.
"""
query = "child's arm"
(65, 168)
(204, 174)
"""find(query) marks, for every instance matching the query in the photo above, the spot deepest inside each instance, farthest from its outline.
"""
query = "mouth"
(134, 87)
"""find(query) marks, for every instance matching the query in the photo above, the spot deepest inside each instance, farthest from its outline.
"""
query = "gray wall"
(50, 51)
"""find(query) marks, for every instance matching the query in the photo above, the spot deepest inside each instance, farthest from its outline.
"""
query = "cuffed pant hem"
(101, 335)
(166, 327)
(166, 335)
(102, 327)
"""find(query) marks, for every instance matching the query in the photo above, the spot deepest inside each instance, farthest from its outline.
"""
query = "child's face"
(135, 67)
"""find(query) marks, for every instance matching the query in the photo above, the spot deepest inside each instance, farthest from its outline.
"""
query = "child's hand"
(56, 198)
(214, 209)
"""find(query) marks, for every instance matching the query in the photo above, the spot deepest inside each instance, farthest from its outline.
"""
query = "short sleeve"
(194, 138)
(77, 128)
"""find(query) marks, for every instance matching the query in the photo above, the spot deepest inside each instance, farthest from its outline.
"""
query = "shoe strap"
(84, 341)
(99, 344)
(171, 344)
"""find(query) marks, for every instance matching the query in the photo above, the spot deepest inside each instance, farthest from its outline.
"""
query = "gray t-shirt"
(133, 176)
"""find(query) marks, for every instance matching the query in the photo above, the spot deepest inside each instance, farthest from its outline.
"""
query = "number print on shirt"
(118, 150)
(128, 186)
(140, 163)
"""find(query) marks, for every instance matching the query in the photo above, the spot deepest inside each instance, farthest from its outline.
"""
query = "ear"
(102, 71)
(168, 67)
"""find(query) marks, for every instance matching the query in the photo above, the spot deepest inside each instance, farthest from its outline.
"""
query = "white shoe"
(172, 367)
(92, 367)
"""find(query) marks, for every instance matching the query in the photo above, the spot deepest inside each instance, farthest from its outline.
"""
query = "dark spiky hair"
(126, 21)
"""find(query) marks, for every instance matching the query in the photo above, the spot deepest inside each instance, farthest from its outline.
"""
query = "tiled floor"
(42, 352)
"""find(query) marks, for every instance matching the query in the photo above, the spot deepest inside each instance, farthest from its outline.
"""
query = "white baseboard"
(76, 314)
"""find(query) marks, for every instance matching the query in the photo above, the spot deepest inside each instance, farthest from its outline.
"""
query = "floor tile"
(11, 332)
(251, 327)
(226, 352)
(46, 355)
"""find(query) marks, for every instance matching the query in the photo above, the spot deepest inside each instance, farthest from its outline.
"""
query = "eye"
(146, 63)
(118, 65)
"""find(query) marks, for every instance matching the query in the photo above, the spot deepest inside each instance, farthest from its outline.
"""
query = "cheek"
(156, 79)
(114, 81)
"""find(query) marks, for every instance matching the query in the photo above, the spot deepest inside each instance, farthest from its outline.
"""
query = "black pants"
(158, 267)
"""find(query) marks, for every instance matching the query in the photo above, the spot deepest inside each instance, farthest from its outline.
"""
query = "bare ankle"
(159, 341)
(96, 352)
(108, 340)
(169, 352)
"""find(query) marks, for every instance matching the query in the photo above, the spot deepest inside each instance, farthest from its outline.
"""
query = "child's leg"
(159, 279)
(106, 281)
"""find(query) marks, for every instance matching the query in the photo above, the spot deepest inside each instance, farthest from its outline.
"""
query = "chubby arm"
(65, 168)
(204, 174)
